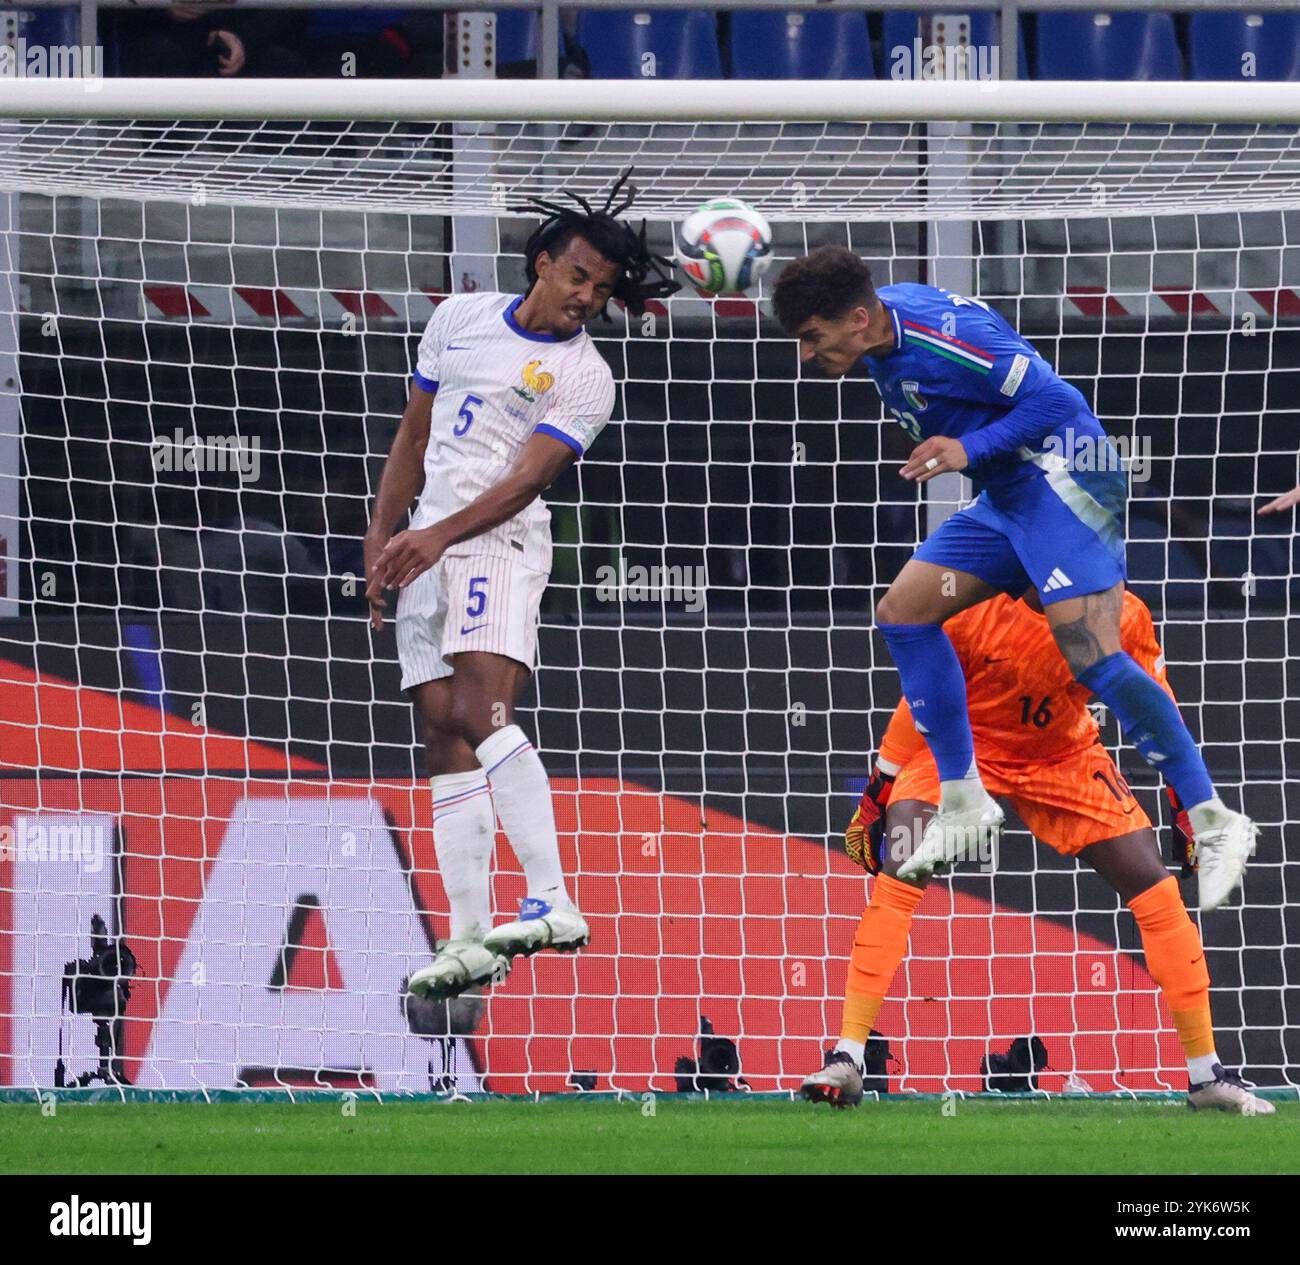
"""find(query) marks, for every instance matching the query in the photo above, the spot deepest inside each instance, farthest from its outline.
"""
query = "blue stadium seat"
(772, 45)
(1218, 43)
(48, 28)
(1108, 46)
(516, 36)
(620, 45)
(901, 29)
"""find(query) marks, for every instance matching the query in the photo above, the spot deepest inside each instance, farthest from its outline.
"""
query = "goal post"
(215, 295)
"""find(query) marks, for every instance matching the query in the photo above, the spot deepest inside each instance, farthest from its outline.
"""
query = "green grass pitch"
(604, 1136)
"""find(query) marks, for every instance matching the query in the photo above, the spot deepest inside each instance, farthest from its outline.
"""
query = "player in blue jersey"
(977, 397)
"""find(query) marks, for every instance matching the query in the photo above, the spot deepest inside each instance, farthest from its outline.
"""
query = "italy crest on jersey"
(912, 392)
(536, 381)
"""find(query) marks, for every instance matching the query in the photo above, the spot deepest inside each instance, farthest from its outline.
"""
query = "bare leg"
(485, 688)
(445, 751)
(905, 823)
(923, 593)
(1130, 863)
(1087, 628)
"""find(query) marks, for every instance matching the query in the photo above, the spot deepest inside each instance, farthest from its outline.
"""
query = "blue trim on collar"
(509, 317)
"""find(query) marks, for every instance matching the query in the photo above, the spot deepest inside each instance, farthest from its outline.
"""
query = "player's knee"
(890, 610)
(894, 610)
(475, 717)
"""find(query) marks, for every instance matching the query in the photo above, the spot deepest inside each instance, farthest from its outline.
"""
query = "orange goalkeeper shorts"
(1068, 803)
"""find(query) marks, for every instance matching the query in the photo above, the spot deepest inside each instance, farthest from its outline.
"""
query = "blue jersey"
(958, 369)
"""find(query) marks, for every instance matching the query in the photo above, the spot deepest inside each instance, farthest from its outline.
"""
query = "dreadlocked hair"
(620, 243)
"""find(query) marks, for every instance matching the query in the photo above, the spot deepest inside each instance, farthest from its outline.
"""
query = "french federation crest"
(536, 382)
(912, 392)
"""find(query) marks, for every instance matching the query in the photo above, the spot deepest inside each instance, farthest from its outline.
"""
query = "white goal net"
(206, 335)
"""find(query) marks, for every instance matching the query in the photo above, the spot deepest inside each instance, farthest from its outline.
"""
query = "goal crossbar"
(654, 100)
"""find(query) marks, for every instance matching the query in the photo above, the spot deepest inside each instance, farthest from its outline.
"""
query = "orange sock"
(878, 948)
(1176, 960)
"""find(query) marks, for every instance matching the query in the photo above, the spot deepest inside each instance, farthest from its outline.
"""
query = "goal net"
(206, 336)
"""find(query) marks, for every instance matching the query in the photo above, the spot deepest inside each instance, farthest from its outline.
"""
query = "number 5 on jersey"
(468, 405)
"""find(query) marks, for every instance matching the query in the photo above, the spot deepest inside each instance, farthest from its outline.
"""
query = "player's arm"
(402, 479)
(399, 484)
(994, 369)
(411, 553)
(866, 830)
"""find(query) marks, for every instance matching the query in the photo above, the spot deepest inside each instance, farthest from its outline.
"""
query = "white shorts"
(467, 603)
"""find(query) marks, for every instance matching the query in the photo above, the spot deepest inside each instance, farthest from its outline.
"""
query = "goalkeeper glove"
(865, 834)
(1182, 842)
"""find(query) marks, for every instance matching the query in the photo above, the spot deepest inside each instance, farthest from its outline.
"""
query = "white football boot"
(1228, 1092)
(1221, 855)
(540, 925)
(955, 836)
(458, 965)
(838, 1082)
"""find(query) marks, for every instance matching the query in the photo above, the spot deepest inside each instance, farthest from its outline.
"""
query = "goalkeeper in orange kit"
(1038, 746)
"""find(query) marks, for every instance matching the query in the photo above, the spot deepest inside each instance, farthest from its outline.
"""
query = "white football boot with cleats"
(540, 925)
(838, 1081)
(1222, 851)
(955, 836)
(1228, 1092)
(458, 965)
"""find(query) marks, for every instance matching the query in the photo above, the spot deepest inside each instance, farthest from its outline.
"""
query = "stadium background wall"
(651, 698)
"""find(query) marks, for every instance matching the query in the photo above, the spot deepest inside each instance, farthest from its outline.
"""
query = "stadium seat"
(51, 28)
(1107, 46)
(901, 28)
(516, 36)
(621, 45)
(773, 45)
(1218, 44)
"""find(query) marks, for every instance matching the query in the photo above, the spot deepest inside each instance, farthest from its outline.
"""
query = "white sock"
(857, 1049)
(522, 794)
(1209, 815)
(464, 827)
(1201, 1068)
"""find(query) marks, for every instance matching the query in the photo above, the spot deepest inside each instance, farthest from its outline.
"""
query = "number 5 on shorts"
(477, 596)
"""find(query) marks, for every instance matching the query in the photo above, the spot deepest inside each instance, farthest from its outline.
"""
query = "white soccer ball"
(724, 247)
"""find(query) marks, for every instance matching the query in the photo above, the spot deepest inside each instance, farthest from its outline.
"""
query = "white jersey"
(498, 383)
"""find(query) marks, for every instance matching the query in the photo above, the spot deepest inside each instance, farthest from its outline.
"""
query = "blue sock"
(1151, 722)
(935, 689)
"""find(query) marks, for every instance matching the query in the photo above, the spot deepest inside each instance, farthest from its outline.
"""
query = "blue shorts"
(1056, 532)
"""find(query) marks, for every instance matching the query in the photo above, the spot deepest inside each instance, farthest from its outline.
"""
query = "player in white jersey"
(508, 391)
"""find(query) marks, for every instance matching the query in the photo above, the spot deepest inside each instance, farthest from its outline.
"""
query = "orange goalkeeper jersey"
(1022, 700)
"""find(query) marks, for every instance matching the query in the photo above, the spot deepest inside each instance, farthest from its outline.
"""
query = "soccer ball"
(724, 247)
